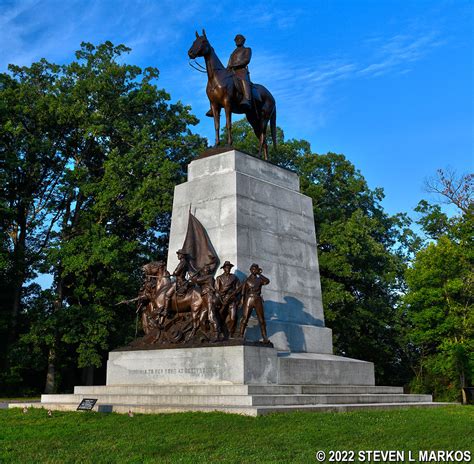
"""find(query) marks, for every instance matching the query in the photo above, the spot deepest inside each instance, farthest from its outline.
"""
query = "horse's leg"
(254, 121)
(216, 111)
(194, 306)
(228, 123)
(145, 322)
(263, 141)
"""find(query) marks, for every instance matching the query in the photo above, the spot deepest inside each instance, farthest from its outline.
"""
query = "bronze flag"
(198, 246)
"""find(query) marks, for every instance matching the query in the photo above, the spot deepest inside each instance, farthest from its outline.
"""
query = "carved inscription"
(175, 371)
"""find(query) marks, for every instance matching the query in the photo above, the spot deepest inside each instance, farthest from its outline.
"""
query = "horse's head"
(154, 268)
(200, 46)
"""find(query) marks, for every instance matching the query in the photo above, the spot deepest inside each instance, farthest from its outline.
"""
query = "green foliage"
(438, 308)
(93, 150)
(30, 171)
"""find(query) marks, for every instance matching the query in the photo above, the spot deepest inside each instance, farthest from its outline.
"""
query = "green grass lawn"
(85, 437)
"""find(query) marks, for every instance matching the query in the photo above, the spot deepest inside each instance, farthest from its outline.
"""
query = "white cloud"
(397, 52)
(267, 14)
(54, 29)
(305, 88)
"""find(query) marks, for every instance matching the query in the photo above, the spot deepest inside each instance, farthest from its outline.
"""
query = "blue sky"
(387, 83)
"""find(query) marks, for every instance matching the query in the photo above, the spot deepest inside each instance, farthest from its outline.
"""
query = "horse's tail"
(273, 118)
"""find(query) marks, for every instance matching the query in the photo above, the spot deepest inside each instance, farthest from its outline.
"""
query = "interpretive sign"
(86, 404)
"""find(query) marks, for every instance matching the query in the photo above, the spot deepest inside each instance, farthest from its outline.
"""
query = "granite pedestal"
(253, 211)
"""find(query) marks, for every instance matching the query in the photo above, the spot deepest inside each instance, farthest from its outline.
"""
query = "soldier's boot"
(166, 307)
(221, 335)
(220, 329)
(210, 114)
(242, 330)
(231, 328)
(246, 102)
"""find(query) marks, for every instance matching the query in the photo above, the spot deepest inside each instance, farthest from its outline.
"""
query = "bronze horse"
(190, 302)
(152, 314)
(223, 92)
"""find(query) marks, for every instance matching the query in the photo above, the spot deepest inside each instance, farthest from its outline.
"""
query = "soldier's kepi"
(238, 63)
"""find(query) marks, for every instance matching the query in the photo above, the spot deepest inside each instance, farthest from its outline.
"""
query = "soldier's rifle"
(230, 296)
(195, 274)
(133, 300)
(138, 298)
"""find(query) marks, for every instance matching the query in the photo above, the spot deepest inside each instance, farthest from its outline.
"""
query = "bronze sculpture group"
(195, 306)
(190, 305)
(230, 88)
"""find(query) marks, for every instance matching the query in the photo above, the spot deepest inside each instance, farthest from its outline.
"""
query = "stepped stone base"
(250, 380)
(251, 400)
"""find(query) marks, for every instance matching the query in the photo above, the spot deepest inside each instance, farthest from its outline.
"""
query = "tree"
(456, 190)
(438, 308)
(30, 172)
(360, 247)
(121, 147)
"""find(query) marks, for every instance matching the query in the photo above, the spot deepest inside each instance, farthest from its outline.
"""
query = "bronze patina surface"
(191, 308)
(252, 299)
(228, 288)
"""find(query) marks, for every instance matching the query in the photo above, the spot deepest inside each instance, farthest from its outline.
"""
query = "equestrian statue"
(230, 88)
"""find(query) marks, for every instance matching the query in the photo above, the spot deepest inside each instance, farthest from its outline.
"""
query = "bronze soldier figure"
(206, 281)
(238, 63)
(252, 298)
(227, 287)
(181, 285)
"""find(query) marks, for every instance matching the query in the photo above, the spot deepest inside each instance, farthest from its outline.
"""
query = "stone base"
(251, 400)
(221, 364)
(250, 380)
(248, 365)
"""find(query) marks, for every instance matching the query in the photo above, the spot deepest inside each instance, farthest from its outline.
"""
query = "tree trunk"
(51, 380)
(50, 386)
(19, 272)
(88, 375)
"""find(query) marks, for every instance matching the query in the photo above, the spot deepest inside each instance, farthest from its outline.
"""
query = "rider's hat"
(239, 37)
(227, 263)
(254, 266)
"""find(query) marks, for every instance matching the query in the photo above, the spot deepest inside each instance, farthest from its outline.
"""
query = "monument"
(253, 340)
(250, 212)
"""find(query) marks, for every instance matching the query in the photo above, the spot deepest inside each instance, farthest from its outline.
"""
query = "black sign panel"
(86, 404)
